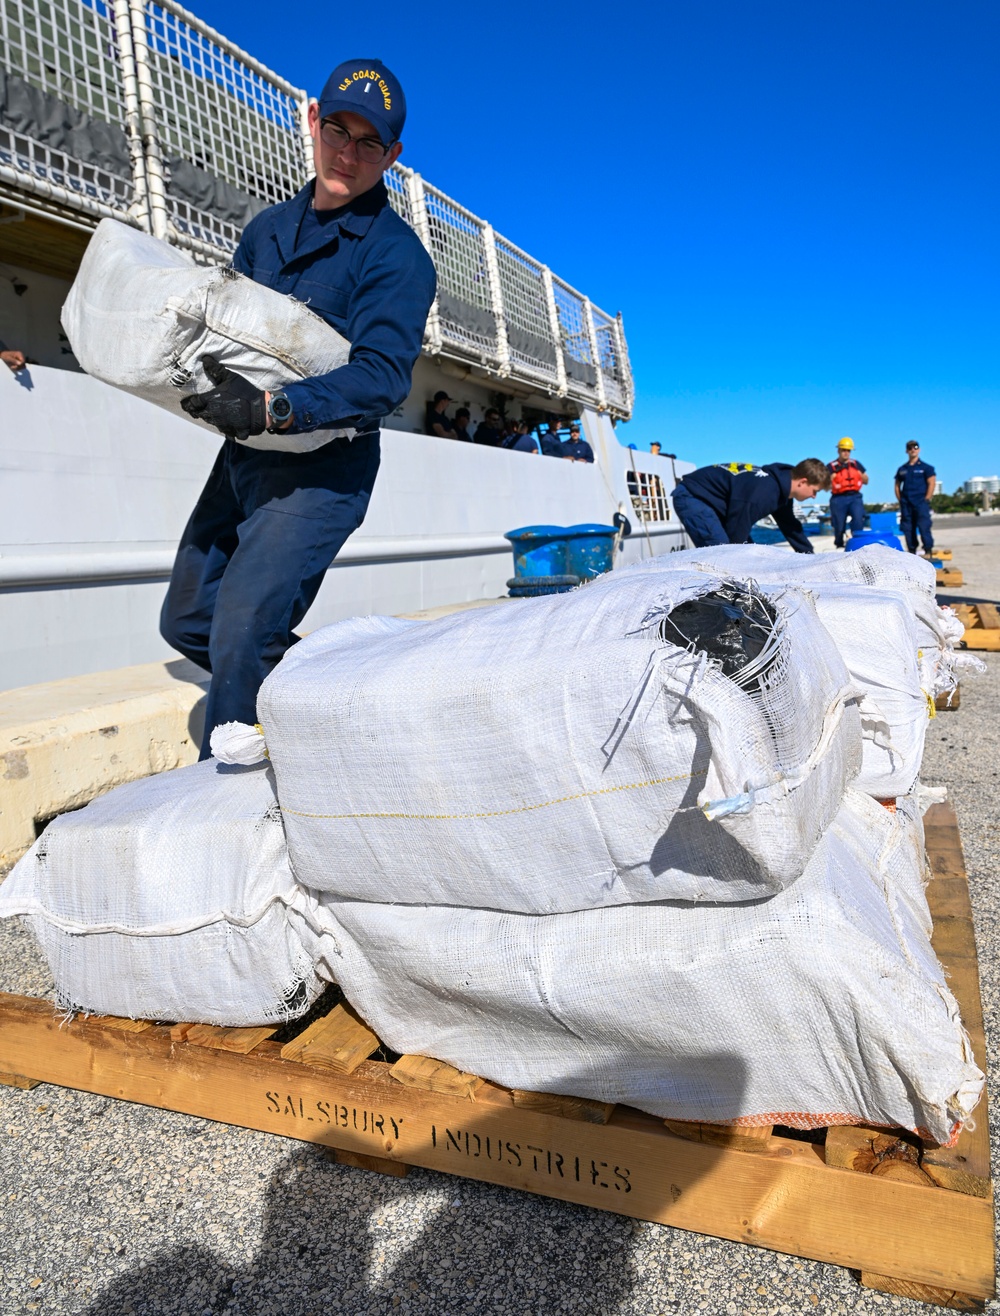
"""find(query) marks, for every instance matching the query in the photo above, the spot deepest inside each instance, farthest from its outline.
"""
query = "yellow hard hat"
(845, 443)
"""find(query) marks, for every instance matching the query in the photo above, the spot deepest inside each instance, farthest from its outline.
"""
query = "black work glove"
(234, 406)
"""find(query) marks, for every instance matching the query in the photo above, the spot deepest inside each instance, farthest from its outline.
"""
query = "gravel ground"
(109, 1208)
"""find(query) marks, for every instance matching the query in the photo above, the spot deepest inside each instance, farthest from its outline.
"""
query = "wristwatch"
(279, 410)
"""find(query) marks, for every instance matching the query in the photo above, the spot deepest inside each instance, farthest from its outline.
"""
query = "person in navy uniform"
(915, 485)
(577, 449)
(847, 478)
(490, 432)
(268, 524)
(721, 504)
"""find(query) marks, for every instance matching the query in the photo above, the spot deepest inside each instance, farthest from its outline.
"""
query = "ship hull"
(98, 485)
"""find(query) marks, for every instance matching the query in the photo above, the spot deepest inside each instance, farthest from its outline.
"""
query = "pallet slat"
(949, 578)
(741, 1138)
(982, 625)
(338, 1042)
(569, 1108)
(435, 1076)
(241, 1041)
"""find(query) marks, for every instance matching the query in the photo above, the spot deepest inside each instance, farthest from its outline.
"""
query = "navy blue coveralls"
(914, 509)
(721, 504)
(268, 524)
(845, 506)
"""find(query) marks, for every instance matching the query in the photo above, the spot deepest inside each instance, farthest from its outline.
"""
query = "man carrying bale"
(268, 524)
(721, 504)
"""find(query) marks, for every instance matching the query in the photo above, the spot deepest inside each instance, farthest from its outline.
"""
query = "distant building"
(982, 484)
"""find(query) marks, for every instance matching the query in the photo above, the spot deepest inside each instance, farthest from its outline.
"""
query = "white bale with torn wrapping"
(172, 898)
(823, 1005)
(140, 315)
(934, 629)
(566, 752)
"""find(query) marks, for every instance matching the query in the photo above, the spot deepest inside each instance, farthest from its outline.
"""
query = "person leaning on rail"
(268, 524)
(847, 478)
(490, 431)
(721, 504)
(12, 357)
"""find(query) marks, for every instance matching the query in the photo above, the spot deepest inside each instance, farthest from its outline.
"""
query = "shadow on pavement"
(334, 1244)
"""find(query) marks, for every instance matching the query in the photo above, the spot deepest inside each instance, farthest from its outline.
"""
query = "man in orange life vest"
(847, 477)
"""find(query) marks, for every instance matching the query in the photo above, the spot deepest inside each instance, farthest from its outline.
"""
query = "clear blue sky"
(794, 205)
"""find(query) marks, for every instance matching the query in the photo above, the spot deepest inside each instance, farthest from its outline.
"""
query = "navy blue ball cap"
(366, 87)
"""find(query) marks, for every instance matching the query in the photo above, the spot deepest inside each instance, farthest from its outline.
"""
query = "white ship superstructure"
(141, 112)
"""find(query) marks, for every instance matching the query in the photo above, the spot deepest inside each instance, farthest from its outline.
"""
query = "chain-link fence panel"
(62, 105)
(230, 131)
(581, 375)
(465, 306)
(609, 358)
(531, 346)
(397, 185)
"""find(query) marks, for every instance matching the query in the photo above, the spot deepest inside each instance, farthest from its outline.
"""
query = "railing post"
(307, 142)
(156, 191)
(628, 384)
(554, 329)
(139, 209)
(496, 297)
(421, 224)
(588, 320)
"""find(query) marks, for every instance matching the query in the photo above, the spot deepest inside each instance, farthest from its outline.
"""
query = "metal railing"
(138, 110)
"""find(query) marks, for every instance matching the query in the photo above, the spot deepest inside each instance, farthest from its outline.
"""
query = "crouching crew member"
(847, 478)
(268, 524)
(721, 504)
(915, 485)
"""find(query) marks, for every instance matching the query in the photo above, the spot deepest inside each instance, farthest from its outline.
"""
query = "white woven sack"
(557, 754)
(876, 566)
(140, 315)
(823, 1005)
(171, 898)
(873, 629)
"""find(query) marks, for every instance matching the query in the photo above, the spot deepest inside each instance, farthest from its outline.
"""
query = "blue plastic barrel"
(539, 550)
(883, 523)
(590, 550)
(873, 537)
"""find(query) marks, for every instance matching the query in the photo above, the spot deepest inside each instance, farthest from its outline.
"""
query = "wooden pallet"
(943, 554)
(949, 577)
(982, 625)
(912, 1217)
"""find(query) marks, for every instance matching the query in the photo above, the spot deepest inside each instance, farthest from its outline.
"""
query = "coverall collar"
(355, 219)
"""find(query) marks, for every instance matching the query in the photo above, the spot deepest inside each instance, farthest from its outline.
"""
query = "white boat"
(143, 113)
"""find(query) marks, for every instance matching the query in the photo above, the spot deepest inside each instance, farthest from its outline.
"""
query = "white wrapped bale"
(171, 898)
(140, 315)
(877, 566)
(559, 753)
(873, 630)
(822, 1005)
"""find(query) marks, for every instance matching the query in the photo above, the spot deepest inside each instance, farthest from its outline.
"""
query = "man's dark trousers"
(842, 507)
(252, 559)
(699, 520)
(913, 517)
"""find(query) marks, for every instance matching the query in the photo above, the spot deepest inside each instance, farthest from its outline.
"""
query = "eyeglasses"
(369, 149)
